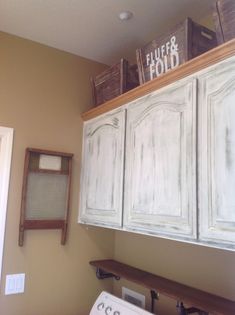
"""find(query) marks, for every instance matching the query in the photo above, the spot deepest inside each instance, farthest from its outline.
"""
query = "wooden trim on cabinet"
(201, 62)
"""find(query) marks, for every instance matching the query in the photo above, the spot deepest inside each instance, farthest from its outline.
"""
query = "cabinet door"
(102, 170)
(160, 186)
(217, 153)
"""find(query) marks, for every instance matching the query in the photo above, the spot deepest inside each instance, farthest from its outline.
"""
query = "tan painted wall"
(42, 93)
(205, 268)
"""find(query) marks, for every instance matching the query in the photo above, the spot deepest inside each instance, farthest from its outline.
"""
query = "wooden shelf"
(179, 292)
(192, 66)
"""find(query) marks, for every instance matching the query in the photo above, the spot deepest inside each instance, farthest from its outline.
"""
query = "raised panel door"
(102, 170)
(160, 181)
(217, 154)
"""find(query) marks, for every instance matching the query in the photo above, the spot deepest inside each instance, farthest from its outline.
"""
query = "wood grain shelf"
(193, 297)
(192, 66)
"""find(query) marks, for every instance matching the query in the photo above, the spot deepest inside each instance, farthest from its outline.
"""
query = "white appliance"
(108, 304)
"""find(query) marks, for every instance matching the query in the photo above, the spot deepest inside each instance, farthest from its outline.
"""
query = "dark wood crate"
(114, 81)
(224, 20)
(186, 41)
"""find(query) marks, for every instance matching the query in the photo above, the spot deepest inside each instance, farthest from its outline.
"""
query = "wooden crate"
(224, 20)
(186, 41)
(114, 81)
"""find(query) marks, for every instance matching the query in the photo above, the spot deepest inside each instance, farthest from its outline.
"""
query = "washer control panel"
(108, 304)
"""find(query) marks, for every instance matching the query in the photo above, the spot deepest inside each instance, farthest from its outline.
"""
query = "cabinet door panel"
(160, 162)
(217, 154)
(102, 170)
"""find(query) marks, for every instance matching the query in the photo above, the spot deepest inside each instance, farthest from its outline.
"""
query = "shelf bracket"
(101, 274)
(191, 310)
(154, 296)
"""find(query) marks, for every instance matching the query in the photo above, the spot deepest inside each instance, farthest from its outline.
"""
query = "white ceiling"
(91, 28)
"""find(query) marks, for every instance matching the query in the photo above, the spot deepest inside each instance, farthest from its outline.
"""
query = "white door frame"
(6, 141)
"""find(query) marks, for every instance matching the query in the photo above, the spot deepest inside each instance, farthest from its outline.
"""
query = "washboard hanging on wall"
(45, 191)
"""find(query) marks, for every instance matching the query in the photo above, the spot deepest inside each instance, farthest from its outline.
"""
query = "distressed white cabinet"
(164, 162)
(160, 173)
(102, 170)
(217, 154)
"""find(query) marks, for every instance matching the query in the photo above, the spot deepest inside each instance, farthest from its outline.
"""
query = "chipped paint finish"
(160, 182)
(217, 154)
(178, 177)
(102, 170)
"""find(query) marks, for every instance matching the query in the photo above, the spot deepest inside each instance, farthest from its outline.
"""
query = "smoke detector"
(125, 15)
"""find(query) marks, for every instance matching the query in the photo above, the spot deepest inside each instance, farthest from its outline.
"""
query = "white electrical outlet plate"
(15, 283)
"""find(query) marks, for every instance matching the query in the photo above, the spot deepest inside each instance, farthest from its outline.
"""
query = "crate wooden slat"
(114, 81)
(185, 41)
(224, 20)
(203, 300)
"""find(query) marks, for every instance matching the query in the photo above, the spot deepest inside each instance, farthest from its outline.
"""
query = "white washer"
(108, 304)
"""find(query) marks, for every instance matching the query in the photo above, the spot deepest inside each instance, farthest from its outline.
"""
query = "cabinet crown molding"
(201, 62)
